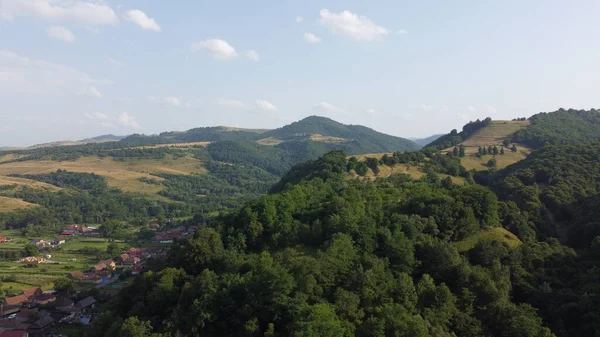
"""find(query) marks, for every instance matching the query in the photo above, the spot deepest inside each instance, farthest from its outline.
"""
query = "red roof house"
(14, 333)
(15, 300)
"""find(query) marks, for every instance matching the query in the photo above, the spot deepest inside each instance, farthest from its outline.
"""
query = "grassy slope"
(495, 234)
(121, 174)
(493, 135)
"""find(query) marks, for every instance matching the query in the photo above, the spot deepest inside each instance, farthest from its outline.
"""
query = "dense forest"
(562, 127)
(323, 255)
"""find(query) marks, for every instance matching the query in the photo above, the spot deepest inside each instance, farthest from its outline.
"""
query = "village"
(74, 294)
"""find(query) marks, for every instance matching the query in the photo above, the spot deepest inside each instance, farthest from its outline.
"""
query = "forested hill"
(328, 256)
(358, 138)
(562, 127)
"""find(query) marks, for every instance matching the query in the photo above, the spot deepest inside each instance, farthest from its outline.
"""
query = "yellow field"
(494, 133)
(326, 139)
(11, 204)
(11, 156)
(269, 141)
(494, 234)
(472, 162)
(27, 182)
(173, 146)
(121, 174)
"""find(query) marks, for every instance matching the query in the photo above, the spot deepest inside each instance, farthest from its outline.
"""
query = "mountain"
(426, 140)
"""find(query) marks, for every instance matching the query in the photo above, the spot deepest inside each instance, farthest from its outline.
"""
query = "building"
(15, 300)
(67, 233)
(32, 292)
(43, 299)
(32, 259)
(86, 303)
(76, 228)
(3, 239)
(137, 269)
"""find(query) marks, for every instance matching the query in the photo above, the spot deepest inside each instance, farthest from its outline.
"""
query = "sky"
(72, 69)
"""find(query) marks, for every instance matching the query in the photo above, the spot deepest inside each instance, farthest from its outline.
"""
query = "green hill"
(357, 139)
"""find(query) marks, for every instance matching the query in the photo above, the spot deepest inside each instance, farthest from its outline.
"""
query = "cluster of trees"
(324, 256)
(455, 137)
(62, 178)
(491, 150)
(562, 127)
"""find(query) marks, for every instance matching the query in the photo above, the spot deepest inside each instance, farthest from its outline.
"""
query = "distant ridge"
(426, 140)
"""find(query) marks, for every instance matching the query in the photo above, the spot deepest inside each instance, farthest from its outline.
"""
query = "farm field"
(175, 146)
(471, 162)
(17, 276)
(123, 174)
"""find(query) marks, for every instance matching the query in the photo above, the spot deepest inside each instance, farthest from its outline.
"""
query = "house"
(63, 304)
(76, 228)
(38, 242)
(43, 299)
(10, 325)
(86, 303)
(104, 275)
(91, 278)
(105, 264)
(2, 239)
(67, 233)
(15, 300)
(58, 241)
(32, 292)
(14, 333)
(32, 259)
(76, 276)
(137, 269)
(132, 260)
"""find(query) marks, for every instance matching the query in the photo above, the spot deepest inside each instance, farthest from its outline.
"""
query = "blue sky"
(71, 69)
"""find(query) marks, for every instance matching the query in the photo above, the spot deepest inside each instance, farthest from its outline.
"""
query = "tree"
(63, 285)
(495, 150)
(113, 249)
(491, 163)
(133, 327)
(484, 151)
(30, 250)
(513, 148)
(490, 149)
(505, 143)
(501, 150)
(455, 151)
(461, 151)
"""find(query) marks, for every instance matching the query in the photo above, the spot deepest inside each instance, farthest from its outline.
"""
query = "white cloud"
(491, 109)
(311, 38)
(60, 33)
(230, 103)
(100, 119)
(169, 100)
(89, 12)
(141, 19)
(401, 31)
(327, 108)
(266, 105)
(299, 19)
(115, 62)
(24, 75)
(127, 120)
(472, 109)
(359, 28)
(431, 107)
(253, 55)
(123, 119)
(218, 49)
(91, 91)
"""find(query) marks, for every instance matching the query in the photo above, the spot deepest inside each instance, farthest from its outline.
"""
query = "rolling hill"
(210, 164)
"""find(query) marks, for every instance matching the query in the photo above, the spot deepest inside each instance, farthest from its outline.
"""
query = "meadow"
(120, 173)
